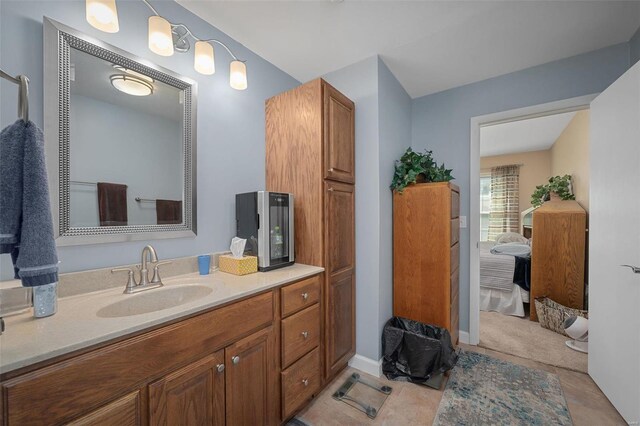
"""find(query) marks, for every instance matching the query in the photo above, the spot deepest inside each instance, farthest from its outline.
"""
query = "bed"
(498, 292)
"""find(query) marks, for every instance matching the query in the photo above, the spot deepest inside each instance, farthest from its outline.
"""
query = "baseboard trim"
(463, 337)
(366, 365)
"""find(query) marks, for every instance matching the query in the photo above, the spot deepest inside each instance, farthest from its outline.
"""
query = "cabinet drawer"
(455, 284)
(300, 382)
(455, 257)
(454, 320)
(300, 334)
(300, 295)
(455, 230)
(455, 204)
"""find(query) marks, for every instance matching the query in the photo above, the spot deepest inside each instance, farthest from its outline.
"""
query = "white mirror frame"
(58, 40)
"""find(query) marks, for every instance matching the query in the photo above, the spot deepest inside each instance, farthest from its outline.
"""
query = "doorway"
(513, 152)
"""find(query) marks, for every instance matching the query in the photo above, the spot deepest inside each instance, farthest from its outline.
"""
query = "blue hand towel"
(26, 227)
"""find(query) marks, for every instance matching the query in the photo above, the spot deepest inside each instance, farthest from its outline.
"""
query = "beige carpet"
(526, 339)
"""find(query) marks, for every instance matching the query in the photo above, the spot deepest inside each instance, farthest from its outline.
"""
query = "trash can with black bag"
(416, 352)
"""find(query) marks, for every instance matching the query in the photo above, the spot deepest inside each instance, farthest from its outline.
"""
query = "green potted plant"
(559, 187)
(414, 167)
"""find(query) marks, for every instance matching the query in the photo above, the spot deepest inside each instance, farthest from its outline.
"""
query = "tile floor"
(411, 404)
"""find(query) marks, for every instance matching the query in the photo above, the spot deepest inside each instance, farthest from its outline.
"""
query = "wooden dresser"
(558, 254)
(426, 254)
(311, 153)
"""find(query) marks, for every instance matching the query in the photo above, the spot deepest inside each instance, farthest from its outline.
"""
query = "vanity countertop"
(76, 325)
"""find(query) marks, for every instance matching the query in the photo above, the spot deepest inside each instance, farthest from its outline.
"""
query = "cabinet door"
(251, 374)
(340, 275)
(339, 136)
(193, 395)
(124, 411)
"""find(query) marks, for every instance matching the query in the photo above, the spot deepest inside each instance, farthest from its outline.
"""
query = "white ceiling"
(534, 134)
(91, 79)
(430, 46)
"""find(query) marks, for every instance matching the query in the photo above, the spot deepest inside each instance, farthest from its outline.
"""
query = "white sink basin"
(154, 300)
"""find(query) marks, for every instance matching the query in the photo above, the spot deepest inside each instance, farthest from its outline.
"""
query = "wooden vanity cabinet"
(253, 362)
(166, 376)
(233, 385)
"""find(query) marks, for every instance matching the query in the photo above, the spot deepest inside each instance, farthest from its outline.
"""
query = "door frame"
(534, 111)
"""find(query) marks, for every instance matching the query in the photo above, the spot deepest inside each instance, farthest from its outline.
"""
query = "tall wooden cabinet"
(310, 153)
(426, 254)
(558, 254)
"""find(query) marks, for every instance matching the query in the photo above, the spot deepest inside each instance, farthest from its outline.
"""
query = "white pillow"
(510, 237)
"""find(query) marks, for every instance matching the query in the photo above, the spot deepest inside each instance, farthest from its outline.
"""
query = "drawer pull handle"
(305, 296)
(305, 334)
(220, 368)
(305, 382)
(235, 359)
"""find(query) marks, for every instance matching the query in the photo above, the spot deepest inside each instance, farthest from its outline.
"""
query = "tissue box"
(242, 266)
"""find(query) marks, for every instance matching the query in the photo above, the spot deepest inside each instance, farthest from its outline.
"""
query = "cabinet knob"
(305, 296)
(305, 382)
(305, 334)
(331, 169)
(220, 368)
(235, 359)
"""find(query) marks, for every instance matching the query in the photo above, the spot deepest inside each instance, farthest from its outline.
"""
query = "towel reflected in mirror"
(112, 204)
(168, 212)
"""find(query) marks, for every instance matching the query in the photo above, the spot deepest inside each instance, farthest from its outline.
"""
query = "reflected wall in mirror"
(120, 136)
(126, 145)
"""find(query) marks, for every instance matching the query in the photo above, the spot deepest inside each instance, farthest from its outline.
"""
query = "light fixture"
(204, 61)
(160, 38)
(238, 75)
(133, 73)
(131, 85)
(166, 37)
(103, 15)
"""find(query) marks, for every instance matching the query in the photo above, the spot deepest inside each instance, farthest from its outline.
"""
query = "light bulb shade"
(103, 15)
(238, 75)
(204, 61)
(160, 38)
(131, 85)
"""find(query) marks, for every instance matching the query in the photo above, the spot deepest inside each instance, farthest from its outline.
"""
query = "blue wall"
(394, 122)
(441, 121)
(383, 132)
(634, 48)
(359, 82)
(231, 148)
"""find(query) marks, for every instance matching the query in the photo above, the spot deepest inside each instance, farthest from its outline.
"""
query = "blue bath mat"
(487, 391)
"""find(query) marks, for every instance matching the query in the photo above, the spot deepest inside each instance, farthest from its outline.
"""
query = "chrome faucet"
(148, 255)
(148, 252)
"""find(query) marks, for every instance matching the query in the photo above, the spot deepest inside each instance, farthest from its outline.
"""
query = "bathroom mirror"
(120, 137)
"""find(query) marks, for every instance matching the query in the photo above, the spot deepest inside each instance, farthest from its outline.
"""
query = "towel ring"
(23, 98)
(23, 95)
